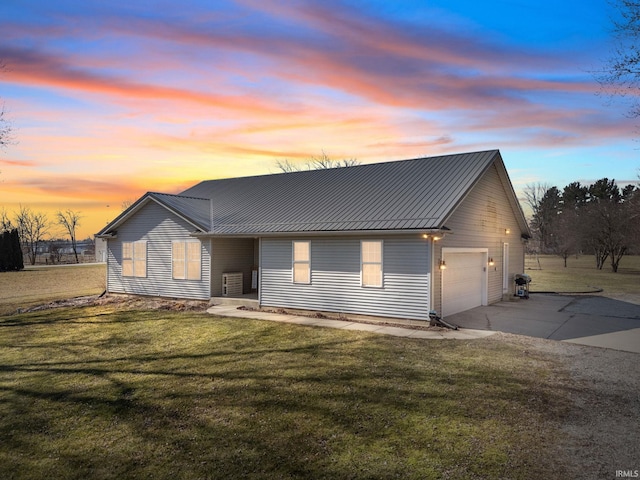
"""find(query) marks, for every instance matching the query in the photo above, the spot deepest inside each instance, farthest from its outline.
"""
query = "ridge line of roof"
(178, 195)
(386, 162)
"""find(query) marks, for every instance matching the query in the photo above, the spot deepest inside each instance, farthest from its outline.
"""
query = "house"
(394, 239)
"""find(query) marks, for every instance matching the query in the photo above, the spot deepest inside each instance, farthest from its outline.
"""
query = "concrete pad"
(363, 327)
(427, 334)
(587, 320)
(300, 320)
(467, 334)
(395, 331)
(627, 341)
(330, 323)
(232, 311)
(604, 307)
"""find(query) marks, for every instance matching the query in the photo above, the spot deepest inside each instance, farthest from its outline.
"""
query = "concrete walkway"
(585, 320)
(464, 334)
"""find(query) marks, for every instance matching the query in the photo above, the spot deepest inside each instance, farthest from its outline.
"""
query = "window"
(186, 259)
(371, 251)
(134, 259)
(301, 262)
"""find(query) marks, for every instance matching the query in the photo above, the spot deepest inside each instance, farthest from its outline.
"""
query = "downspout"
(211, 252)
(432, 296)
(259, 272)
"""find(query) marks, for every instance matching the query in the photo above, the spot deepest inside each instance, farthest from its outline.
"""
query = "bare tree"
(5, 221)
(32, 228)
(621, 74)
(544, 202)
(286, 166)
(127, 203)
(70, 220)
(533, 193)
(5, 128)
(321, 162)
(324, 162)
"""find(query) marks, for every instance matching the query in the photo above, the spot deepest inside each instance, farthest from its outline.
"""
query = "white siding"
(481, 221)
(158, 227)
(335, 277)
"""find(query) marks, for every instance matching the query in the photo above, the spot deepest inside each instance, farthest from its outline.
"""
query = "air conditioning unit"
(232, 284)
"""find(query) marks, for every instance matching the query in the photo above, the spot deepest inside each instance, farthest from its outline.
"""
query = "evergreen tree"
(4, 251)
(10, 251)
(18, 260)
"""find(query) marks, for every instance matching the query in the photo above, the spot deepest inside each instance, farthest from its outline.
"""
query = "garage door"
(462, 281)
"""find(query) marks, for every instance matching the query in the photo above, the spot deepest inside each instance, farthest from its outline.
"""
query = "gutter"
(323, 233)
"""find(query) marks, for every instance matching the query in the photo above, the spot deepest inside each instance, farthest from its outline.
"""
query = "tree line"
(600, 219)
(31, 229)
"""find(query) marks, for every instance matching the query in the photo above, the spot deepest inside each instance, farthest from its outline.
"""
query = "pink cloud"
(18, 163)
(40, 69)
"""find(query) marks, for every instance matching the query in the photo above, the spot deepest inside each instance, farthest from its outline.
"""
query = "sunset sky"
(108, 100)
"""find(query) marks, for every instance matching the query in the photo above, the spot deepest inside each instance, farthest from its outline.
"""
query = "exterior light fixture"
(507, 231)
(491, 262)
(425, 236)
(436, 238)
(442, 265)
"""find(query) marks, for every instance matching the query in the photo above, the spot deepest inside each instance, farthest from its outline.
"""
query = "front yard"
(108, 392)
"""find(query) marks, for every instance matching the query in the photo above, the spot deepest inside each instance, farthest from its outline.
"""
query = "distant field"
(38, 285)
(549, 274)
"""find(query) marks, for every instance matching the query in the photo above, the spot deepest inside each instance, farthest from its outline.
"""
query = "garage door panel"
(463, 281)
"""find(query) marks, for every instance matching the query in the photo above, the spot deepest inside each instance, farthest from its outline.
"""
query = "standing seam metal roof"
(418, 194)
(408, 194)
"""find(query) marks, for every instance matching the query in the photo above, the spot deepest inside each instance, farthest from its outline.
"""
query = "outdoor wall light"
(491, 262)
(442, 265)
(507, 231)
(436, 238)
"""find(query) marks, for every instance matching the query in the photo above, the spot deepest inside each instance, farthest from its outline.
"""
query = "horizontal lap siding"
(480, 222)
(335, 278)
(158, 227)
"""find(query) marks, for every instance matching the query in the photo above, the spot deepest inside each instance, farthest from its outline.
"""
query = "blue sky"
(112, 99)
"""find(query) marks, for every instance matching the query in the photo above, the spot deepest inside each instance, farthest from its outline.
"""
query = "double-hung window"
(134, 259)
(186, 258)
(301, 262)
(371, 259)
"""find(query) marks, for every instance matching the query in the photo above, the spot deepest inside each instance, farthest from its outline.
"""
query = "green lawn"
(105, 392)
(549, 274)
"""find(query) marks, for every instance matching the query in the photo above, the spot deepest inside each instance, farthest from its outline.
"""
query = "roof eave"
(137, 205)
(323, 233)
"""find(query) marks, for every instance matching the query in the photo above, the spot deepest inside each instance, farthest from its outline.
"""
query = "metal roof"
(417, 194)
(408, 194)
(196, 211)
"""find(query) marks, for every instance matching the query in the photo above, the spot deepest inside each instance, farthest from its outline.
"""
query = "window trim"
(186, 260)
(505, 268)
(295, 262)
(363, 263)
(135, 260)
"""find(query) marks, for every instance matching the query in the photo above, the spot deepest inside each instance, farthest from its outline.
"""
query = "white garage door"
(462, 281)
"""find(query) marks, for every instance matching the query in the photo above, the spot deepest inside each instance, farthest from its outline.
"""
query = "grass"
(38, 285)
(102, 392)
(581, 275)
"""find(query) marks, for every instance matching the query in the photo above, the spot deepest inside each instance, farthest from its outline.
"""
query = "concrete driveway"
(595, 321)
